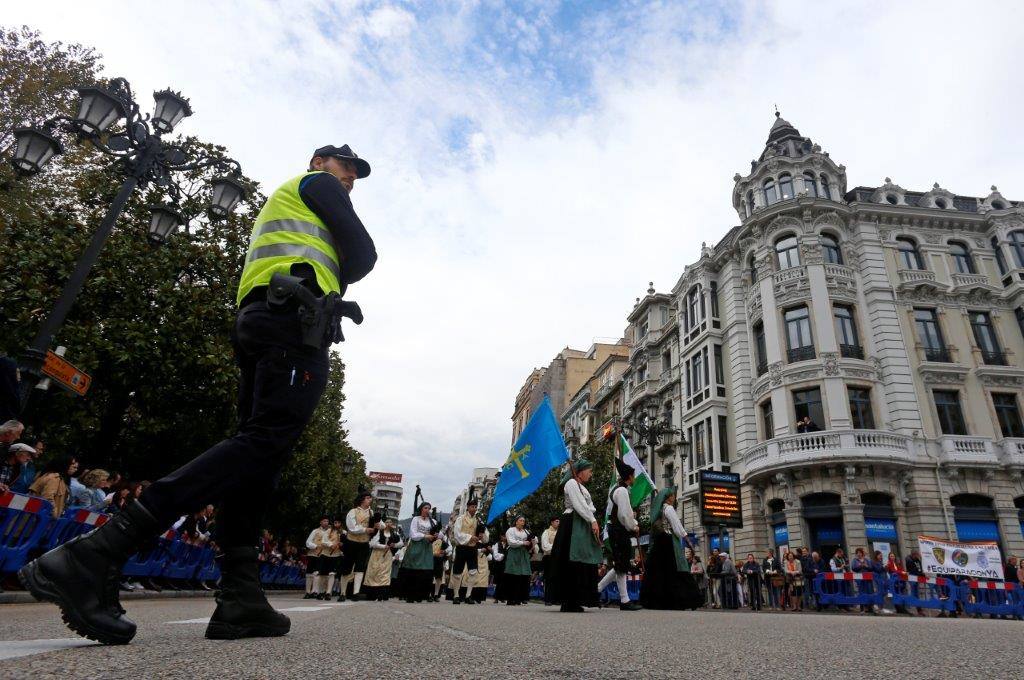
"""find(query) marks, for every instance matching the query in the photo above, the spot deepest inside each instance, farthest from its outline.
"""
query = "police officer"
(307, 229)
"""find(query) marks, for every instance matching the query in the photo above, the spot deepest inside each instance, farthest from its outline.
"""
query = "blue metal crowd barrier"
(23, 523)
(924, 592)
(849, 589)
(992, 597)
(633, 583)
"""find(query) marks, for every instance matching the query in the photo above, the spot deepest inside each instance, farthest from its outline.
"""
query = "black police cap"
(346, 154)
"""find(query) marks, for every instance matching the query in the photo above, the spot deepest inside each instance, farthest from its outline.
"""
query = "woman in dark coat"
(668, 583)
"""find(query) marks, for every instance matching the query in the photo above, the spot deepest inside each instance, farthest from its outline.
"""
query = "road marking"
(16, 648)
(304, 609)
(206, 620)
(455, 632)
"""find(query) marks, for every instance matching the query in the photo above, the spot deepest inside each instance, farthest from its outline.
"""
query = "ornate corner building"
(892, 319)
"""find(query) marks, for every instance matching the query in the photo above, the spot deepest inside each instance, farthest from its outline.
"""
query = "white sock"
(309, 584)
(438, 584)
(359, 583)
(330, 584)
(321, 585)
(456, 584)
(620, 580)
(606, 581)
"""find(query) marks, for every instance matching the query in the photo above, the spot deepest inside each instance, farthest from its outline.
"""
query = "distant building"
(387, 493)
(482, 484)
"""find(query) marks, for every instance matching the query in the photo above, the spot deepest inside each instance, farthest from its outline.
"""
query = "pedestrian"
(464, 539)
(357, 545)
(714, 578)
(477, 588)
(914, 569)
(384, 543)
(794, 581)
(728, 581)
(52, 485)
(667, 582)
(307, 230)
(547, 542)
(418, 566)
(517, 563)
(752, 571)
(576, 553)
(439, 550)
(498, 551)
(701, 578)
(30, 470)
(621, 526)
(91, 490)
(14, 458)
(815, 566)
(772, 571)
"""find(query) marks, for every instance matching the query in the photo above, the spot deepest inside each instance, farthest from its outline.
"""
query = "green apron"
(419, 555)
(583, 548)
(517, 562)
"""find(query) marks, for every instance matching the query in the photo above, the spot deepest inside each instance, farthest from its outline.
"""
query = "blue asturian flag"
(539, 449)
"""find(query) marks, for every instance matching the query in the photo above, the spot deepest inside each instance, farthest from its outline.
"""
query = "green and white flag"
(643, 485)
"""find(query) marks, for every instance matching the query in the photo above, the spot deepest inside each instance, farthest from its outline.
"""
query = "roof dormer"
(937, 198)
(994, 201)
(890, 193)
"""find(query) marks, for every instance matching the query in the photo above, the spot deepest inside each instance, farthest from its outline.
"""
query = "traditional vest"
(286, 233)
(363, 520)
(330, 537)
(467, 524)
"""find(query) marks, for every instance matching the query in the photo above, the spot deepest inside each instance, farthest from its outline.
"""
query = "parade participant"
(418, 565)
(465, 540)
(517, 563)
(577, 549)
(377, 584)
(308, 232)
(314, 547)
(547, 542)
(441, 551)
(498, 551)
(357, 545)
(622, 522)
(668, 583)
(330, 560)
(477, 589)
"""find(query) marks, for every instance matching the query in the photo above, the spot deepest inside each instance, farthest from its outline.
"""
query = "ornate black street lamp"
(141, 156)
(649, 430)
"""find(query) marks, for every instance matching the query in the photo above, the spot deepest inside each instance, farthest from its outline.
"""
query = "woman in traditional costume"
(517, 563)
(668, 583)
(577, 549)
(377, 584)
(417, 571)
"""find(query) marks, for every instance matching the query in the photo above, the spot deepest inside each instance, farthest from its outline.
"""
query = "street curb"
(22, 597)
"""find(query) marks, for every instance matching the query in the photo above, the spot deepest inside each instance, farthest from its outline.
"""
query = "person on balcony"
(807, 425)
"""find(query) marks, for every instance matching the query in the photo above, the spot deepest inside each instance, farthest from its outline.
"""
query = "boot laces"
(112, 592)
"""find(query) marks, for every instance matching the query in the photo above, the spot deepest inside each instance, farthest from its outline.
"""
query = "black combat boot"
(82, 576)
(242, 607)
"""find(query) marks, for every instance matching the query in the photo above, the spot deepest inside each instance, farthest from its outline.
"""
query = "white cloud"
(542, 230)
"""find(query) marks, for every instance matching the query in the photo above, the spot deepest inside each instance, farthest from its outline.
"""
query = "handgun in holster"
(320, 317)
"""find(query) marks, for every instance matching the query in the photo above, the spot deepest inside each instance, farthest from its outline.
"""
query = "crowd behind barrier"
(28, 528)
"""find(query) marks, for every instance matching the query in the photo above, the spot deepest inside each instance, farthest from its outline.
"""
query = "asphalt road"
(398, 640)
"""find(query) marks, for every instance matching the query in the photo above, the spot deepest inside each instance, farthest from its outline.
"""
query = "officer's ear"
(316, 163)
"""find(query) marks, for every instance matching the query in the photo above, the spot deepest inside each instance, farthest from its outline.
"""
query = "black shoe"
(242, 608)
(341, 598)
(571, 609)
(457, 600)
(82, 577)
(630, 606)
(308, 596)
(469, 600)
(153, 585)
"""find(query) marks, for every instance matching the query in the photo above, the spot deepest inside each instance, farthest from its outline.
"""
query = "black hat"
(472, 501)
(624, 469)
(346, 154)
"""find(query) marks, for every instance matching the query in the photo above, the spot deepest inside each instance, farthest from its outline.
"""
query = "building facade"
(856, 355)
(481, 485)
(387, 493)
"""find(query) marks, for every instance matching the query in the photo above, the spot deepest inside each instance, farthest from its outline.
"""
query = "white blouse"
(673, 521)
(498, 555)
(516, 537)
(578, 499)
(375, 544)
(419, 528)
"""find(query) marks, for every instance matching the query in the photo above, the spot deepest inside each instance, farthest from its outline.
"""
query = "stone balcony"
(642, 389)
(791, 274)
(1011, 452)
(968, 281)
(828, 447)
(967, 450)
(911, 278)
(840, 272)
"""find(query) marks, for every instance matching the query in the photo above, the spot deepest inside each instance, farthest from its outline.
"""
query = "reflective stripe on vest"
(287, 233)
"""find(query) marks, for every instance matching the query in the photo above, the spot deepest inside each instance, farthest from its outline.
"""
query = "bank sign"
(975, 559)
(720, 499)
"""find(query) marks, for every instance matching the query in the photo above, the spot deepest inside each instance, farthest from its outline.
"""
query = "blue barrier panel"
(991, 597)
(23, 522)
(611, 593)
(924, 592)
(846, 589)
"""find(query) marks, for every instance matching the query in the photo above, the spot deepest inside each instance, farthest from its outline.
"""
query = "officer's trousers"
(281, 383)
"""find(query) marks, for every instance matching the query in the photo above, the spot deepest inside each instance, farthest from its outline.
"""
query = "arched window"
(750, 201)
(962, 260)
(787, 250)
(752, 264)
(770, 196)
(694, 306)
(891, 199)
(1000, 259)
(825, 191)
(810, 184)
(941, 203)
(1017, 247)
(785, 186)
(909, 255)
(830, 247)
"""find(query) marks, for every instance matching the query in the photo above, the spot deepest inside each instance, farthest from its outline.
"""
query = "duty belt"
(320, 317)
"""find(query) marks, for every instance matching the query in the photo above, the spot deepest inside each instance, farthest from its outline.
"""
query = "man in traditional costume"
(622, 525)
(668, 583)
(314, 546)
(357, 545)
(465, 538)
(377, 585)
(577, 548)
(547, 542)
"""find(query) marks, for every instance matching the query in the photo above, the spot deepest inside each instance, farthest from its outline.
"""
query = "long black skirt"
(517, 588)
(572, 583)
(417, 584)
(664, 586)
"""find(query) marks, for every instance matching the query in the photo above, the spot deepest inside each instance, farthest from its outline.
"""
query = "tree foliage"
(152, 325)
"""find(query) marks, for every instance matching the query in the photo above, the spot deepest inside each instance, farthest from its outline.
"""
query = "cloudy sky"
(535, 164)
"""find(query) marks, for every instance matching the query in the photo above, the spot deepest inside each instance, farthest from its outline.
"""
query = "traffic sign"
(66, 374)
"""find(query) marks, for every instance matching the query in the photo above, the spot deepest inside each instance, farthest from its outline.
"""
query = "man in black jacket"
(914, 569)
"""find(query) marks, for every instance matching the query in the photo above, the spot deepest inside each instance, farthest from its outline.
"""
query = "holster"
(319, 317)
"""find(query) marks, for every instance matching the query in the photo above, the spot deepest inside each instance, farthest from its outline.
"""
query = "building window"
(909, 255)
(666, 362)
(1019, 313)
(798, 334)
(760, 349)
(723, 439)
(1017, 247)
(930, 335)
(825, 191)
(699, 448)
(643, 330)
(770, 195)
(714, 299)
(846, 332)
(694, 307)
(785, 186)
(750, 201)
(808, 403)
(810, 184)
(753, 269)
(1008, 415)
(962, 260)
(767, 420)
(860, 408)
(1000, 260)
(719, 367)
(697, 372)
(985, 337)
(787, 250)
(951, 418)
(830, 249)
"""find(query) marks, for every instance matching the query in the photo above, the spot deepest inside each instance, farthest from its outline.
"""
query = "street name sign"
(66, 374)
